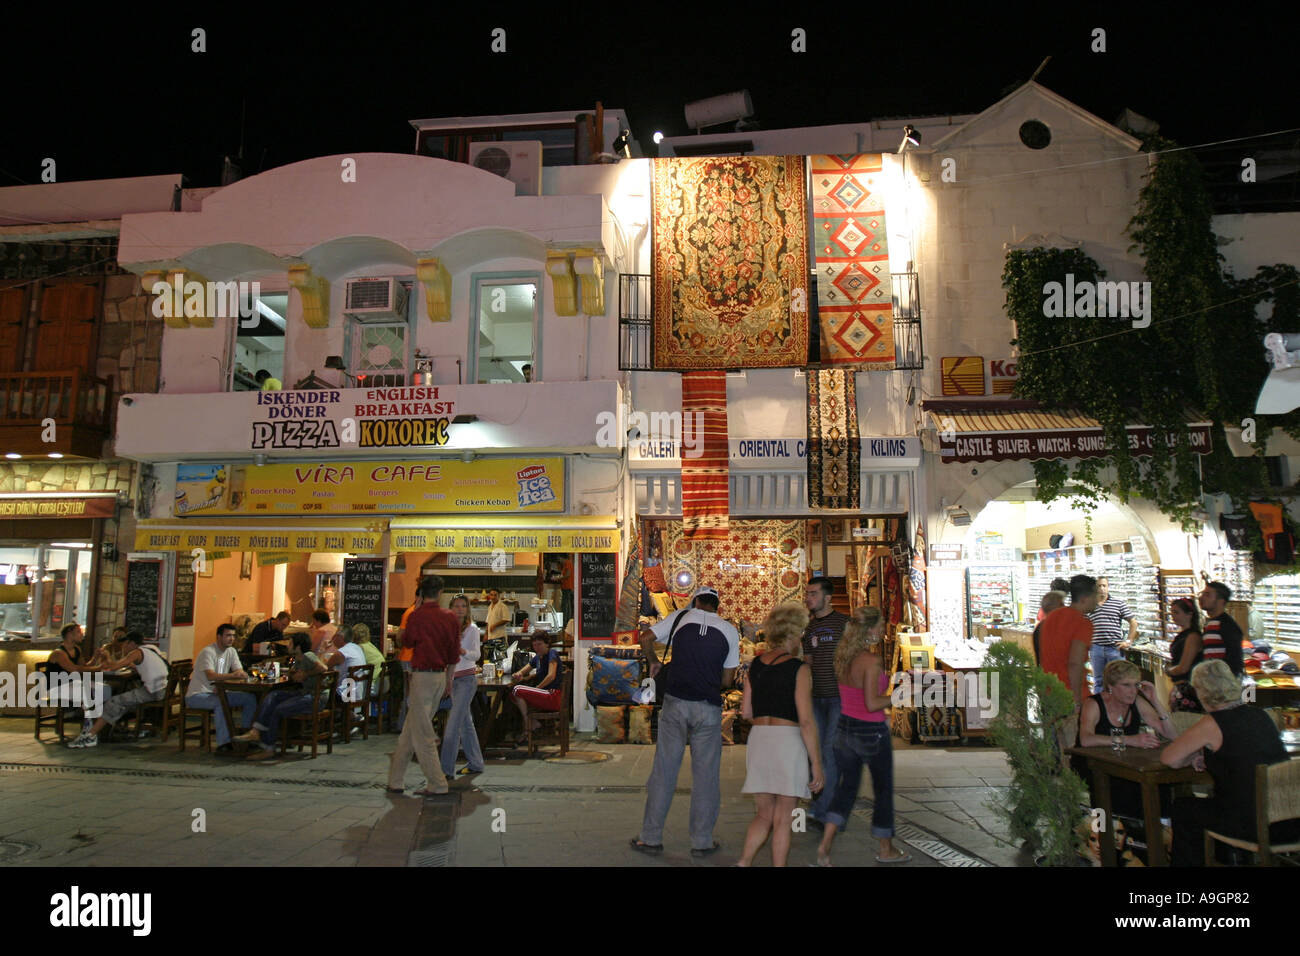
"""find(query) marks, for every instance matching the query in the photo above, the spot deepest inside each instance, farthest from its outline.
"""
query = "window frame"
(480, 279)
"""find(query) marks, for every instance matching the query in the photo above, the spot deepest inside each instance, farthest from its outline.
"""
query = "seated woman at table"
(1124, 703)
(322, 633)
(111, 650)
(361, 637)
(547, 676)
(280, 704)
(1186, 651)
(1229, 741)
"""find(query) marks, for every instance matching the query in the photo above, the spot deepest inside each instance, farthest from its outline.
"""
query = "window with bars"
(635, 323)
(908, 354)
(380, 353)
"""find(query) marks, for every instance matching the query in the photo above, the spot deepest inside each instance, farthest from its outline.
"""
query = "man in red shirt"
(1066, 637)
(433, 634)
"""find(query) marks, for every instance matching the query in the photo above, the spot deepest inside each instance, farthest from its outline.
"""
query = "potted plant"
(1043, 803)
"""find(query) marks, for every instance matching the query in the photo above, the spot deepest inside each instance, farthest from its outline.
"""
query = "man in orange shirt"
(404, 656)
(1066, 637)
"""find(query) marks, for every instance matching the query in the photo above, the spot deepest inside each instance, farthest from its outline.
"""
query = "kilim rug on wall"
(705, 485)
(834, 447)
(854, 294)
(629, 598)
(730, 265)
(756, 568)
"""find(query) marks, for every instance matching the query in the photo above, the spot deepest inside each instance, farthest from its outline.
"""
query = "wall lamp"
(911, 137)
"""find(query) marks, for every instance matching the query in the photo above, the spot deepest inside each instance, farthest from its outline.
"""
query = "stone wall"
(130, 337)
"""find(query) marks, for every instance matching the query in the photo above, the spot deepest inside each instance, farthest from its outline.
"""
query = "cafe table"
(1144, 768)
(497, 693)
(258, 688)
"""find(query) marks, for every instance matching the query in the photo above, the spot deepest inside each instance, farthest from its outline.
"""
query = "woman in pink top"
(862, 736)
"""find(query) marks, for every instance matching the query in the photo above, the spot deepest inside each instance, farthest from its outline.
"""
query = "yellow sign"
(509, 540)
(431, 486)
(176, 536)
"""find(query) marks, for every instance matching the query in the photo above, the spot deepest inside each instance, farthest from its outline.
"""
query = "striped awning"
(1022, 431)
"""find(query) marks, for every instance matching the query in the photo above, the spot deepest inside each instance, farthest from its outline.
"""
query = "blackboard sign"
(143, 597)
(598, 579)
(183, 593)
(363, 595)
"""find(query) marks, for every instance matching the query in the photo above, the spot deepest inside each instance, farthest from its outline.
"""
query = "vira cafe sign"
(365, 418)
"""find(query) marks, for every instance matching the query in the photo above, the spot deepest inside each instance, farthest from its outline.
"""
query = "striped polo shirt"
(1107, 629)
(1222, 642)
(819, 649)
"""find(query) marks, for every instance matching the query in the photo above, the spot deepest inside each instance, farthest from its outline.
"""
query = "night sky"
(123, 95)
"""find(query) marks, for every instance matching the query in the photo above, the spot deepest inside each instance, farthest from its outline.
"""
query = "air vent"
(378, 299)
(518, 161)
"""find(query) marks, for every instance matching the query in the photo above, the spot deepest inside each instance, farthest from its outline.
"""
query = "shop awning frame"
(974, 431)
(432, 533)
(301, 536)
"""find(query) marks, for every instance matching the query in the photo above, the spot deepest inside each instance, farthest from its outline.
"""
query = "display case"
(1236, 569)
(1174, 584)
(990, 595)
(1277, 599)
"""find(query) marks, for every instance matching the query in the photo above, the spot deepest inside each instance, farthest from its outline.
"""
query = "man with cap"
(705, 652)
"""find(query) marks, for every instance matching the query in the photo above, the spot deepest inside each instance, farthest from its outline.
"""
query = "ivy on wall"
(1201, 354)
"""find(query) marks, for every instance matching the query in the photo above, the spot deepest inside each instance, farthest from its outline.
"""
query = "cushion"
(609, 725)
(611, 680)
(638, 724)
(654, 578)
(622, 652)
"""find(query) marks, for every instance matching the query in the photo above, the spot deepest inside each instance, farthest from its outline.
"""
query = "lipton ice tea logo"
(534, 486)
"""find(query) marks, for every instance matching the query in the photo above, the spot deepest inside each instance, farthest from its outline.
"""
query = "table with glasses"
(1144, 768)
(259, 688)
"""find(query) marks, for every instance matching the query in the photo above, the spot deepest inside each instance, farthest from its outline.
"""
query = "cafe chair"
(166, 712)
(49, 713)
(353, 712)
(186, 727)
(378, 708)
(317, 726)
(1277, 798)
(560, 717)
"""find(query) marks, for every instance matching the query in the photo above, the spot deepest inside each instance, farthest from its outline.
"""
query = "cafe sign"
(442, 486)
(176, 536)
(508, 540)
(405, 417)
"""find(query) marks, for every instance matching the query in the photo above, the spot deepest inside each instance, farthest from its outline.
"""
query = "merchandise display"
(1236, 569)
(1277, 599)
(991, 595)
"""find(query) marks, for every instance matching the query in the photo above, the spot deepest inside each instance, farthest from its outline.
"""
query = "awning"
(236, 534)
(595, 533)
(1022, 431)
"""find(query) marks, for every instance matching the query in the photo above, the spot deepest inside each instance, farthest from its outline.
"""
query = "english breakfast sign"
(409, 417)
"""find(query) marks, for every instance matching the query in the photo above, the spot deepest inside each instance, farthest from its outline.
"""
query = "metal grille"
(635, 323)
(380, 354)
(173, 775)
(908, 354)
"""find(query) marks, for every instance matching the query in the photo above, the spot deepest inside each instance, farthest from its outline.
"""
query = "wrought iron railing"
(70, 397)
(908, 352)
(635, 323)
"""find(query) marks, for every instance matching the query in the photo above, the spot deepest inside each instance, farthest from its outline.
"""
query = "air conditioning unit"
(378, 299)
(520, 162)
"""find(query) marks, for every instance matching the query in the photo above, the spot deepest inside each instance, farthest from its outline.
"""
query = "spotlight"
(658, 137)
(620, 144)
(464, 419)
(911, 137)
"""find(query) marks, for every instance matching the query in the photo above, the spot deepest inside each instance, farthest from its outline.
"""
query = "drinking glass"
(1117, 742)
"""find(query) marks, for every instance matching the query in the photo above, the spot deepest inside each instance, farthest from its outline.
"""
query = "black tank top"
(1250, 738)
(772, 688)
(1132, 725)
(74, 655)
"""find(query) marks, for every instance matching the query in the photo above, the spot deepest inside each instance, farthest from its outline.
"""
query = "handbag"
(661, 681)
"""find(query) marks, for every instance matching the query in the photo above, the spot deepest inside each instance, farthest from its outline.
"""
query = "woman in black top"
(1186, 651)
(1230, 742)
(778, 702)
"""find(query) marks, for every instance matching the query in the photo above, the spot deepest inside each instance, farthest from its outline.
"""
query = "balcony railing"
(908, 353)
(70, 397)
(635, 323)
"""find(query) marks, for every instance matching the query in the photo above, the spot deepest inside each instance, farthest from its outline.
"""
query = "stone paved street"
(134, 804)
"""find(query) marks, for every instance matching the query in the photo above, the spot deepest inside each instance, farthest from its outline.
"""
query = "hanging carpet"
(834, 447)
(705, 484)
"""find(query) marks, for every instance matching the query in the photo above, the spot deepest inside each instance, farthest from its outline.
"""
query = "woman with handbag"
(778, 702)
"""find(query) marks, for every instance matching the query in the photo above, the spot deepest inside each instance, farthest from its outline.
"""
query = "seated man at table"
(272, 629)
(346, 656)
(111, 650)
(279, 704)
(217, 663)
(152, 668)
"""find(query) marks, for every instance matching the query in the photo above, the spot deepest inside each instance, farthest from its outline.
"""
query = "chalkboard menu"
(363, 595)
(143, 597)
(598, 579)
(183, 594)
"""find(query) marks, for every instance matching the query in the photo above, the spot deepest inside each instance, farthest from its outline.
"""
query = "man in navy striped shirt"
(1108, 631)
(1222, 637)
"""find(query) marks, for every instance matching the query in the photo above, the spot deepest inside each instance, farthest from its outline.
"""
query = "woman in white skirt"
(778, 701)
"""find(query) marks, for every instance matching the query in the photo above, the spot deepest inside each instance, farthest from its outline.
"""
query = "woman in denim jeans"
(459, 734)
(863, 736)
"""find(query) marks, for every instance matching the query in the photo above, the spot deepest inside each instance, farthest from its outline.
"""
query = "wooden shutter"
(65, 335)
(13, 315)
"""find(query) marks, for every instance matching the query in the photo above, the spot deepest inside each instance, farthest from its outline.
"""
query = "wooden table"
(1144, 768)
(497, 693)
(258, 688)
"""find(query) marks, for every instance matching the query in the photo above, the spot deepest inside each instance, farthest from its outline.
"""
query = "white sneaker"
(85, 739)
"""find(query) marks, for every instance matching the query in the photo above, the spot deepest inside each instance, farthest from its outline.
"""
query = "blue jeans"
(826, 712)
(1100, 655)
(459, 734)
(859, 742)
(699, 724)
(246, 703)
(276, 706)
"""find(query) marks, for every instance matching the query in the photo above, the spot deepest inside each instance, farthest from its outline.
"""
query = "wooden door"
(13, 315)
(66, 334)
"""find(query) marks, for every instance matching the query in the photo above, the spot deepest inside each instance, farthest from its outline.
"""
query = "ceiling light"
(658, 137)
(11, 454)
(55, 454)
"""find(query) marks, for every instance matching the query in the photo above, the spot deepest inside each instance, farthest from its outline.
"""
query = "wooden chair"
(1277, 798)
(560, 717)
(163, 713)
(50, 713)
(378, 708)
(202, 731)
(316, 727)
(353, 712)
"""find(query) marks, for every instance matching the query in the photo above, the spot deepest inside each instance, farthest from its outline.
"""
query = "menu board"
(598, 579)
(143, 597)
(183, 594)
(363, 595)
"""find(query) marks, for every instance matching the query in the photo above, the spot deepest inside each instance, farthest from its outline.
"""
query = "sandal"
(905, 858)
(654, 849)
(707, 850)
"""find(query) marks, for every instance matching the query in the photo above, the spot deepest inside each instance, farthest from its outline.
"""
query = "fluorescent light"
(69, 544)
(11, 454)
(55, 454)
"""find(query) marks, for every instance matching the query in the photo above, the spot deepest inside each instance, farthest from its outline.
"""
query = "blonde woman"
(459, 733)
(778, 700)
(862, 736)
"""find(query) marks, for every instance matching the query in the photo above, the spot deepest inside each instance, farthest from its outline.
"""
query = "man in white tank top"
(152, 668)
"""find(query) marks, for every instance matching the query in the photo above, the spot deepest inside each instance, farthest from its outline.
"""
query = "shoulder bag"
(661, 681)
